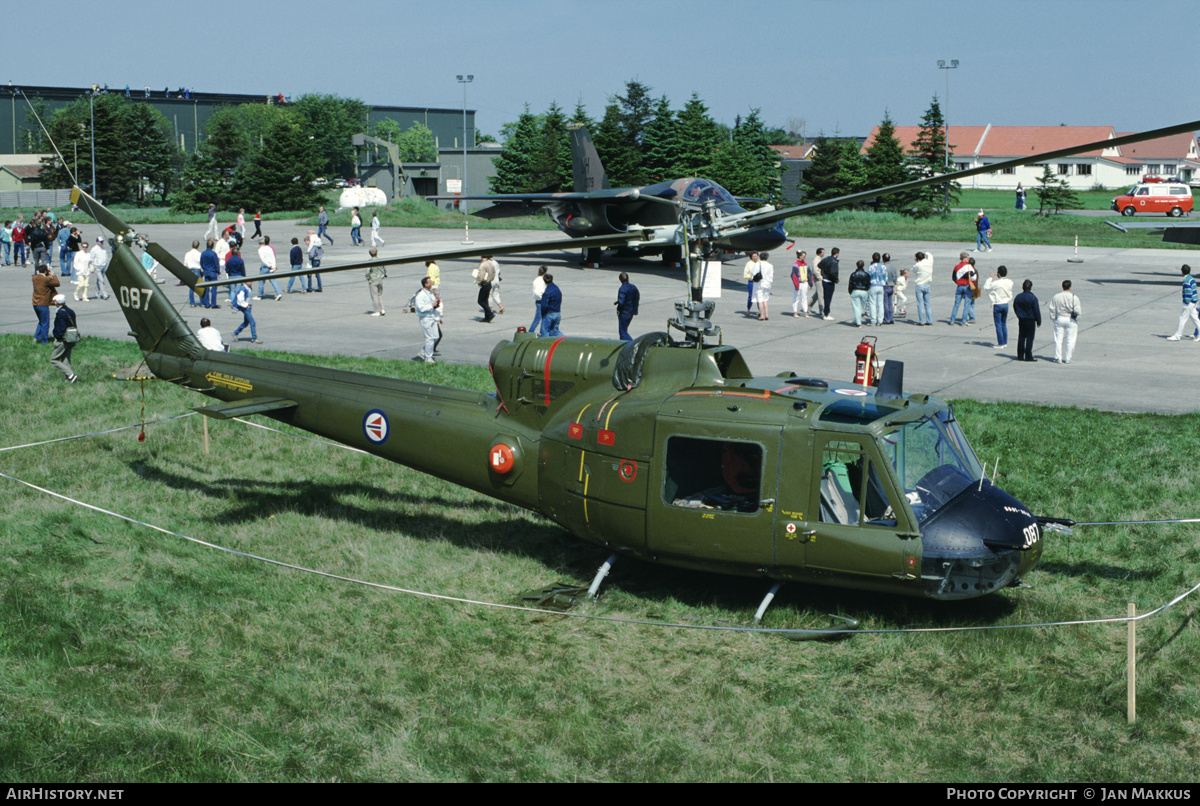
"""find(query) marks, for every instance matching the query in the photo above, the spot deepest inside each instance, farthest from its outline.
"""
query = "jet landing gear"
(591, 257)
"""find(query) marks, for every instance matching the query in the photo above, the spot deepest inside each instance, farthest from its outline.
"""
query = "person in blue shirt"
(983, 229)
(210, 267)
(235, 268)
(551, 308)
(627, 306)
(1190, 298)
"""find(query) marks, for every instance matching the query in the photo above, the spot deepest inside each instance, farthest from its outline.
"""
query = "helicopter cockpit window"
(933, 461)
(851, 490)
(713, 474)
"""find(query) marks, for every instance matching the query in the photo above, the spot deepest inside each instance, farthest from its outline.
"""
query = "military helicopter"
(666, 449)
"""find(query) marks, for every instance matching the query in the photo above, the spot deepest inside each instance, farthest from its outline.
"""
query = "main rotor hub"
(694, 319)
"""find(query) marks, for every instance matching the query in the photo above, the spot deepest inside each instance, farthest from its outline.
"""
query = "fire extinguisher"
(866, 362)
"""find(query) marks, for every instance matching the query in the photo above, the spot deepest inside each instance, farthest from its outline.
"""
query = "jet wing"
(507, 205)
(1172, 231)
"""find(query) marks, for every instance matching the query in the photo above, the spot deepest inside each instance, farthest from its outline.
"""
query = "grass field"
(134, 655)
(1002, 200)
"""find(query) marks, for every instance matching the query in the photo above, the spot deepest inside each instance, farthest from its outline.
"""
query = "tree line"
(641, 141)
(840, 167)
(256, 156)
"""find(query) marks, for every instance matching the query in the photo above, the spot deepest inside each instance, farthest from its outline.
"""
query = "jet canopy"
(703, 191)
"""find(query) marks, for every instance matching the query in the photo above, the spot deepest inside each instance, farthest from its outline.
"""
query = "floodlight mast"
(946, 120)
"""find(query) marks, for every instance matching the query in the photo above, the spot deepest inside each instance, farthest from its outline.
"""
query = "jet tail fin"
(585, 162)
(153, 321)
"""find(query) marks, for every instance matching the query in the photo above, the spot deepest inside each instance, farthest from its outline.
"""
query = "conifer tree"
(611, 146)
(515, 160)
(929, 158)
(661, 142)
(885, 163)
(1054, 193)
(550, 165)
(698, 139)
(837, 169)
(636, 112)
(146, 134)
(279, 175)
(752, 136)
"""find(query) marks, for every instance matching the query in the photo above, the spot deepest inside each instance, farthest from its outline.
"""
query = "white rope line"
(301, 436)
(98, 433)
(571, 614)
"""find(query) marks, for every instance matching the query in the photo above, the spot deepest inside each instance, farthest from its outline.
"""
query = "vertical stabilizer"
(585, 162)
(153, 320)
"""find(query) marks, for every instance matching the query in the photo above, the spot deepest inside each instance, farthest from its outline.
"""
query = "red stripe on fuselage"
(550, 355)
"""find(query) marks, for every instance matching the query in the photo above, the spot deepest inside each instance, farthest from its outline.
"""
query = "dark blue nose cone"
(760, 240)
(980, 541)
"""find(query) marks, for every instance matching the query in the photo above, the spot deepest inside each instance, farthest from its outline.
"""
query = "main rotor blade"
(941, 179)
(625, 239)
(104, 217)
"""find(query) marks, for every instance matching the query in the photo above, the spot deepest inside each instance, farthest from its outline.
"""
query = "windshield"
(933, 461)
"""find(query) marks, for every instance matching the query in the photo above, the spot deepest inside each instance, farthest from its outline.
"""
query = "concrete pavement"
(1123, 361)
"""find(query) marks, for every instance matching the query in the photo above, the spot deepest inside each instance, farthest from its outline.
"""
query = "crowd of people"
(879, 294)
(880, 289)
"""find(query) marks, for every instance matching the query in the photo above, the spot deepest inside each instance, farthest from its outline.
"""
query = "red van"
(1171, 198)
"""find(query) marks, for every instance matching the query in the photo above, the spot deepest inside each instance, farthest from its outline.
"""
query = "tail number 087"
(136, 298)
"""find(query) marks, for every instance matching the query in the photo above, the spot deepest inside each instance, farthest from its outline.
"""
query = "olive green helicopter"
(667, 448)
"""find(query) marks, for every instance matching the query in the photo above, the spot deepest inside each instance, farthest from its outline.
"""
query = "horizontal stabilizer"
(244, 408)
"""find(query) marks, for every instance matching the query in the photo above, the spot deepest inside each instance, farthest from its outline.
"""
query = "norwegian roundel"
(375, 427)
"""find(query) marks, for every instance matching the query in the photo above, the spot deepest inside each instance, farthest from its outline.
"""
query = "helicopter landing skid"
(593, 591)
(766, 602)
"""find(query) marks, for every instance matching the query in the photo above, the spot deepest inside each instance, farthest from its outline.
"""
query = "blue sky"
(835, 64)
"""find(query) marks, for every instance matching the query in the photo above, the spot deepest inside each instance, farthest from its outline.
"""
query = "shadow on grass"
(1083, 569)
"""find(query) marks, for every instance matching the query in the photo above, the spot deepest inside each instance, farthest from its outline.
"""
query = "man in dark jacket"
(551, 308)
(61, 356)
(1029, 318)
(829, 277)
(627, 306)
(210, 267)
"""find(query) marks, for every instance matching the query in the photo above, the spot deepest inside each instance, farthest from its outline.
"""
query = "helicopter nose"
(980, 541)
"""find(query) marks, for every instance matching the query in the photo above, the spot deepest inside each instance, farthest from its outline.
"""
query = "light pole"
(946, 119)
(92, 110)
(465, 80)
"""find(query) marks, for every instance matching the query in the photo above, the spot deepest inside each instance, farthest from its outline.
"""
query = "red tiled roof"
(801, 152)
(23, 171)
(1010, 141)
(1175, 147)
(964, 140)
(1019, 141)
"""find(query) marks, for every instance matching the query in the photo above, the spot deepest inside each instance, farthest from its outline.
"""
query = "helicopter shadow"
(1085, 569)
(237, 500)
(566, 558)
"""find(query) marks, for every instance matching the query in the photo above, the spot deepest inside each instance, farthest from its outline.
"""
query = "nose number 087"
(136, 298)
